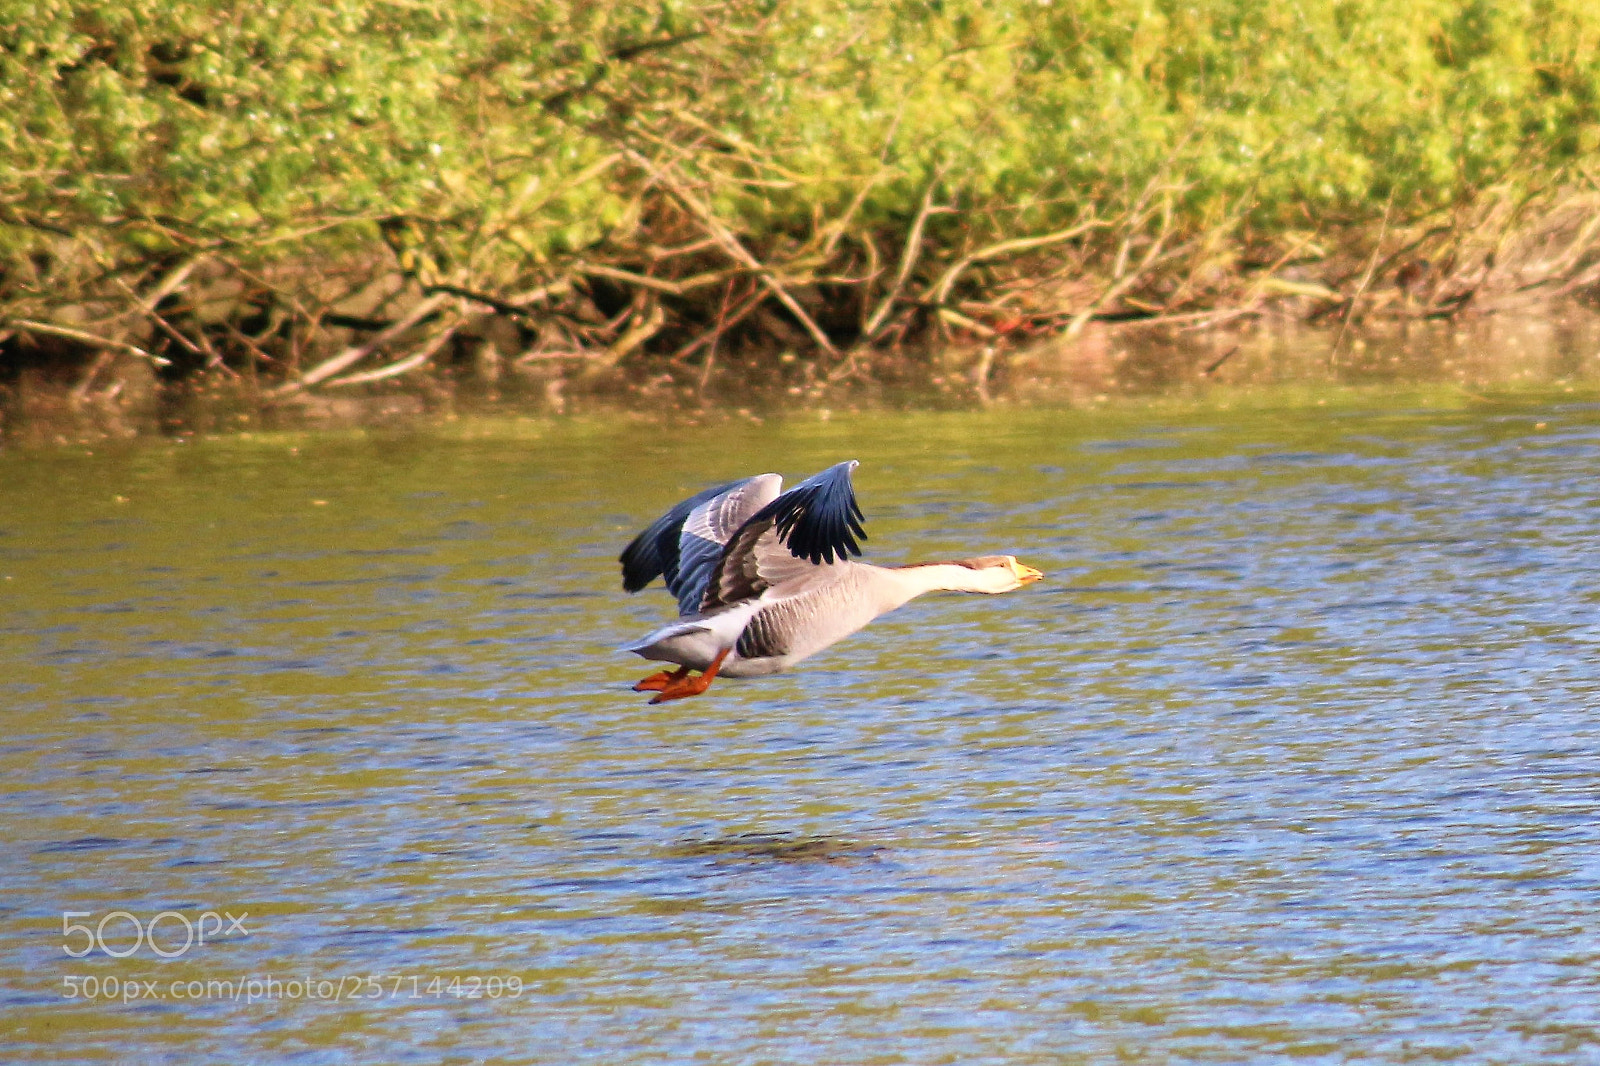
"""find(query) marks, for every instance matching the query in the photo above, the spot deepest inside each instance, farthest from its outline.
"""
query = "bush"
(634, 179)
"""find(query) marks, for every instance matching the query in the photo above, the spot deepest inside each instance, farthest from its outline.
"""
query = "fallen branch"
(409, 363)
(940, 292)
(351, 356)
(727, 322)
(1128, 280)
(492, 302)
(970, 324)
(644, 327)
(27, 325)
(716, 334)
(255, 349)
(157, 319)
(908, 260)
(644, 281)
(560, 287)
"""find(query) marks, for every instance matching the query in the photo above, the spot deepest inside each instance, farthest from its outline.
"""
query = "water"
(1292, 757)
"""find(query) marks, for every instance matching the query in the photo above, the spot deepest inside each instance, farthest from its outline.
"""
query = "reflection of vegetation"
(257, 189)
(778, 847)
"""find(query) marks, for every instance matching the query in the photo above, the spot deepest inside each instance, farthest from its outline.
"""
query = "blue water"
(1293, 757)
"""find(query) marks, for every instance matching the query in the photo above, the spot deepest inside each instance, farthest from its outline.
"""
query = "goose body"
(763, 578)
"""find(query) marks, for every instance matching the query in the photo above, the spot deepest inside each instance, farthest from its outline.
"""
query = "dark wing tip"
(654, 553)
(640, 563)
(819, 519)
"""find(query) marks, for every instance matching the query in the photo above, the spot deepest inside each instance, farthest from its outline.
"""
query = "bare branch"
(940, 291)
(29, 326)
(1128, 280)
(157, 319)
(644, 281)
(908, 258)
(738, 251)
(955, 318)
(727, 322)
(351, 356)
(1366, 278)
(409, 363)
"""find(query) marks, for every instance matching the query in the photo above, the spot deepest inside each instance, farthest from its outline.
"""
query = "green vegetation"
(316, 193)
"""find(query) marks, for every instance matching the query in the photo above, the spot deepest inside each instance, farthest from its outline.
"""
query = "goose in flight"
(763, 578)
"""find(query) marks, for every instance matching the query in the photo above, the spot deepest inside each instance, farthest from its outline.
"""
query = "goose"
(763, 578)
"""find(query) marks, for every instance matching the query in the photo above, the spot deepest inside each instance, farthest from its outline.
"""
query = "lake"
(318, 750)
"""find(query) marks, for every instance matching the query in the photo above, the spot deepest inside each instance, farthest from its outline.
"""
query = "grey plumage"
(764, 579)
(706, 531)
(814, 612)
(689, 546)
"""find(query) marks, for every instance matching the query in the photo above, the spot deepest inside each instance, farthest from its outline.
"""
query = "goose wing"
(706, 533)
(812, 527)
(682, 546)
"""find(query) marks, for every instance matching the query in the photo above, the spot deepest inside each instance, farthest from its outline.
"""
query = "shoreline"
(1106, 365)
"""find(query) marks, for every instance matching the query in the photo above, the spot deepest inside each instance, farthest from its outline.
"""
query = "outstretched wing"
(814, 524)
(683, 545)
(706, 532)
(654, 553)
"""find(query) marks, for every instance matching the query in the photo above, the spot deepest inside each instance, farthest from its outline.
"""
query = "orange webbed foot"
(683, 687)
(661, 679)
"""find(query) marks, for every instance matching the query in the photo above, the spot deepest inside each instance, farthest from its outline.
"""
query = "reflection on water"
(1556, 349)
(1293, 756)
(1560, 348)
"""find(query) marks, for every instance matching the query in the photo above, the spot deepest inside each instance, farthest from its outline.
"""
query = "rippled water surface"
(1295, 755)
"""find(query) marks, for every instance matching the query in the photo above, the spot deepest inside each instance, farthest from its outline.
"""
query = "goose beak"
(1027, 574)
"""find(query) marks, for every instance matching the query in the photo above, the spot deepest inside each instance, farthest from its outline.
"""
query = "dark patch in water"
(1289, 457)
(1142, 486)
(426, 930)
(552, 595)
(778, 847)
(80, 844)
